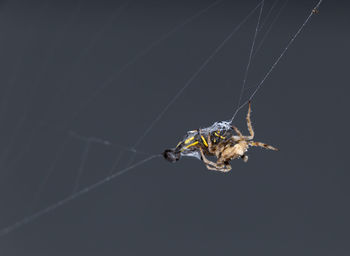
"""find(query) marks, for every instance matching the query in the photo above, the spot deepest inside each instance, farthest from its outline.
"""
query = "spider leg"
(211, 165)
(210, 145)
(227, 165)
(237, 131)
(260, 144)
(249, 124)
(228, 168)
(205, 160)
(218, 169)
(245, 158)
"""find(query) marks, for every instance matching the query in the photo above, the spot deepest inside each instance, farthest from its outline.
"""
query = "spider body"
(224, 144)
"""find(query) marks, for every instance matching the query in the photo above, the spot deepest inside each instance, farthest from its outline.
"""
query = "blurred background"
(75, 74)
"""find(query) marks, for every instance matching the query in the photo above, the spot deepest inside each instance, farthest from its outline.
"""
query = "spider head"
(171, 155)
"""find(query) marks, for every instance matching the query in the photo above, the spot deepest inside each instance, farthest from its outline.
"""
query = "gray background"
(55, 54)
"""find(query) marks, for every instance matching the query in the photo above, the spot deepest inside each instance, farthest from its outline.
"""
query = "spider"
(225, 145)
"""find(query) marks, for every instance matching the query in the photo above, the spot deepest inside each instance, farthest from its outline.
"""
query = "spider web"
(8, 159)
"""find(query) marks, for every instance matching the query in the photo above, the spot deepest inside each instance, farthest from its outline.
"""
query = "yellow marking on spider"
(194, 143)
(189, 139)
(204, 141)
(218, 135)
